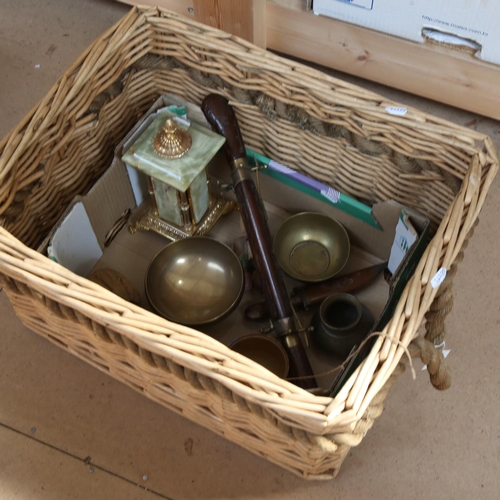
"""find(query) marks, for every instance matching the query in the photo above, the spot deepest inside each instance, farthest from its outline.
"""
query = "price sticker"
(396, 110)
(438, 278)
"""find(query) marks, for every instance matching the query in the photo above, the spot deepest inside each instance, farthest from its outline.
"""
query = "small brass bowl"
(311, 246)
(195, 281)
(264, 350)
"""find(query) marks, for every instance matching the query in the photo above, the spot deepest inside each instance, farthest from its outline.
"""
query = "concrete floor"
(69, 431)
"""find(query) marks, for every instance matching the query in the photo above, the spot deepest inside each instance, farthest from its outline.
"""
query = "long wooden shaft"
(223, 120)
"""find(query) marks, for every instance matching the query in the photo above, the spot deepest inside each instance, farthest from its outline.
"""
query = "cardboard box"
(461, 24)
(93, 234)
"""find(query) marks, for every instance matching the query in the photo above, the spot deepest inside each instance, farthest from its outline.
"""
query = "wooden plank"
(184, 7)
(440, 74)
(259, 18)
(446, 76)
(244, 18)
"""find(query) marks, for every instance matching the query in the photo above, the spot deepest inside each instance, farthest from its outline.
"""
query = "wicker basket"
(353, 139)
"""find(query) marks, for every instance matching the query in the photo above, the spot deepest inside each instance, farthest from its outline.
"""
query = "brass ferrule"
(240, 171)
(239, 163)
(284, 326)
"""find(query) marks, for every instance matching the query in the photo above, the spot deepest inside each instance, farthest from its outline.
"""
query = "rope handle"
(425, 348)
(439, 372)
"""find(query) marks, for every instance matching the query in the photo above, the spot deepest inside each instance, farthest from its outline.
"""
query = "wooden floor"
(68, 431)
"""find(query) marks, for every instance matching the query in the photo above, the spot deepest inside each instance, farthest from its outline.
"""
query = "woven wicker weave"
(333, 131)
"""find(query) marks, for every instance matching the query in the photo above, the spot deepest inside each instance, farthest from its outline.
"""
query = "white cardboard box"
(466, 24)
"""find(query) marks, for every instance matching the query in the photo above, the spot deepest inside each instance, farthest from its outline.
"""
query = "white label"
(395, 110)
(438, 278)
(332, 194)
(405, 237)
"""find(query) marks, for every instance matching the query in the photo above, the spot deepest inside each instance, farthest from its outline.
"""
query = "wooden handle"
(300, 368)
(221, 117)
(254, 219)
(310, 295)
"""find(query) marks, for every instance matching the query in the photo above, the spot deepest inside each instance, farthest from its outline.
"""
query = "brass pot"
(341, 323)
(264, 350)
(311, 246)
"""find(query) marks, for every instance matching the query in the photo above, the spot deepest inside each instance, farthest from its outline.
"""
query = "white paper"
(405, 236)
(74, 245)
(332, 194)
(139, 183)
(280, 168)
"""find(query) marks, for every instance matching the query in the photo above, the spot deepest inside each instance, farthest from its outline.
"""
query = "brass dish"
(194, 281)
(311, 246)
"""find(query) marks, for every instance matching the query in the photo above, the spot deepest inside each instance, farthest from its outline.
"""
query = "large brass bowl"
(311, 246)
(194, 281)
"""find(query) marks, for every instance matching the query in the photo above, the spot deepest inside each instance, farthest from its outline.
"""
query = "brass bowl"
(311, 246)
(264, 350)
(195, 281)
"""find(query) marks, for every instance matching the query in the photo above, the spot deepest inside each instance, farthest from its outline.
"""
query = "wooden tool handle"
(223, 120)
(221, 116)
(259, 237)
(310, 295)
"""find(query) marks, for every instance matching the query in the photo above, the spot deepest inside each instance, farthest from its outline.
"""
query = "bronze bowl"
(311, 246)
(195, 281)
(264, 350)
